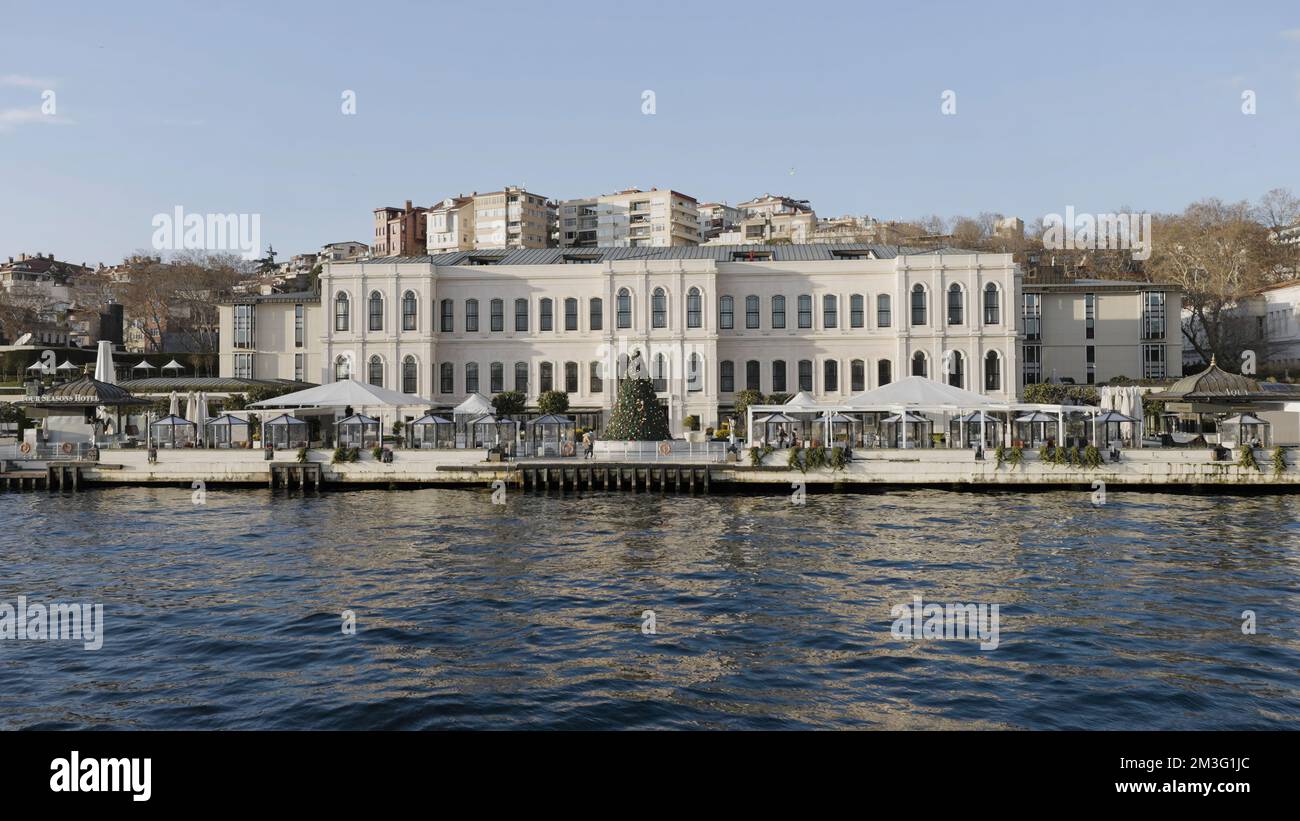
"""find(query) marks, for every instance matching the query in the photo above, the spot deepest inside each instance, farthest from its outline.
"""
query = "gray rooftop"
(808, 252)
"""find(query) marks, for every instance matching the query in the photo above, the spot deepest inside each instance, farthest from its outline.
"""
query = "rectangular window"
(778, 312)
(448, 316)
(752, 375)
(299, 367)
(447, 378)
(805, 375)
(1031, 312)
(727, 376)
(805, 311)
(408, 313)
(1153, 361)
(830, 312)
(496, 376)
(1089, 315)
(244, 326)
(471, 377)
(778, 376)
(571, 377)
(594, 380)
(299, 325)
(521, 377)
(884, 316)
(1091, 356)
(857, 375)
(597, 318)
(498, 315)
(1033, 364)
(547, 318)
(570, 314)
(243, 366)
(726, 313)
(857, 311)
(521, 315)
(751, 312)
(1153, 315)
(471, 315)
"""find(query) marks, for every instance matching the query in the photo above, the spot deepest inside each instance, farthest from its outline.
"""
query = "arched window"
(857, 375)
(496, 377)
(857, 311)
(693, 311)
(830, 311)
(521, 377)
(342, 369)
(884, 372)
(884, 313)
(805, 374)
(992, 371)
(376, 375)
(752, 376)
(376, 311)
(471, 315)
(546, 377)
(830, 376)
(726, 313)
(596, 307)
(694, 373)
(920, 367)
(660, 375)
(778, 312)
(726, 376)
(805, 311)
(751, 312)
(570, 314)
(624, 308)
(570, 377)
(471, 377)
(409, 377)
(956, 305)
(992, 305)
(521, 315)
(547, 321)
(447, 377)
(918, 304)
(596, 382)
(659, 309)
(497, 308)
(448, 323)
(342, 312)
(409, 311)
(956, 364)
(778, 376)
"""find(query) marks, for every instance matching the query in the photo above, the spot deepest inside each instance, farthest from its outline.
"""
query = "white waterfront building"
(709, 322)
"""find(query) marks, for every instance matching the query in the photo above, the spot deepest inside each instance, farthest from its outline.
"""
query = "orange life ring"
(25, 447)
(67, 447)
(665, 448)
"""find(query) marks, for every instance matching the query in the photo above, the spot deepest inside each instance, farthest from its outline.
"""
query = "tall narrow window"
(409, 375)
(778, 312)
(992, 305)
(570, 377)
(547, 319)
(693, 308)
(496, 377)
(448, 316)
(1033, 364)
(956, 305)
(376, 375)
(918, 305)
(830, 311)
(446, 378)
(659, 309)
(660, 375)
(245, 331)
(752, 376)
(498, 314)
(1089, 315)
(471, 377)
(694, 374)
(1090, 357)
(342, 369)
(884, 314)
(299, 325)
(624, 308)
(570, 314)
(471, 316)
(805, 375)
(342, 312)
(521, 377)
(596, 307)
(726, 376)
(805, 311)
(992, 371)
(884, 372)
(920, 366)
(857, 311)
(830, 376)
(521, 315)
(1153, 320)
(1031, 313)
(408, 311)
(545, 377)
(857, 375)
(1153, 361)
(595, 383)
(778, 376)
(751, 312)
(299, 367)
(376, 311)
(726, 313)
(956, 369)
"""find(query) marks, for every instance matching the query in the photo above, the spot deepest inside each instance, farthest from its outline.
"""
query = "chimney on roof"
(408, 205)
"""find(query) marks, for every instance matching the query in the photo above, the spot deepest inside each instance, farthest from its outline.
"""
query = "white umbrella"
(143, 365)
(201, 412)
(36, 366)
(66, 366)
(173, 366)
(191, 407)
(174, 408)
(104, 370)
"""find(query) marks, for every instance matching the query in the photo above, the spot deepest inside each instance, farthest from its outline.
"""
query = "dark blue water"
(769, 615)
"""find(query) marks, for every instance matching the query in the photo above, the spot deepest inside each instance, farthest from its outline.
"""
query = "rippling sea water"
(769, 614)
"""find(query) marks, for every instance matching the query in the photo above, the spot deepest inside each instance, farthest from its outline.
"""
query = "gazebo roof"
(489, 419)
(358, 419)
(551, 419)
(1114, 416)
(801, 400)
(228, 419)
(1036, 416)
(908, 416)
(1211, 383)
(285, 419)
(85, 391)
(1243, 419)
(173, 422)
(430, 419)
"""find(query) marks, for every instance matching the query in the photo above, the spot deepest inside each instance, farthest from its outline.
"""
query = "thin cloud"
(24, 81)
(1292, 35)
(12, 118)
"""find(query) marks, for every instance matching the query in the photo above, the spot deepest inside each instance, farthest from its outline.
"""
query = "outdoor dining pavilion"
(1246, 428)
(908, 430)
(228, 431)
(974, 428)
(173, 432)
(285, 432)
(777, 429)
(551, 435)
(1035, 428)
(430, 431)
(488, 432)
(358, 431)
(1106, 427)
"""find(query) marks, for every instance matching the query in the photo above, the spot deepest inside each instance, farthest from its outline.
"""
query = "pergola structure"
(358, 431)
(430, 431)
(551, 435)
(226, 431)
(173, 432)
(284, 432)
(489, 431)
(1213, 394)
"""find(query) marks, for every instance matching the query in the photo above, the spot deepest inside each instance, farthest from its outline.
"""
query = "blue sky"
(235, 107)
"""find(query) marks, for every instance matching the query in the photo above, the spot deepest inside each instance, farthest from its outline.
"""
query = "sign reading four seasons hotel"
(831, 320)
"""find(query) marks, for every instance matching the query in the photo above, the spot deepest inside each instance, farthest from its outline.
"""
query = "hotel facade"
(708, 322)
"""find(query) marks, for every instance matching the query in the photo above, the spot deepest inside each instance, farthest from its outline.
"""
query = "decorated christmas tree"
(637, 412)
